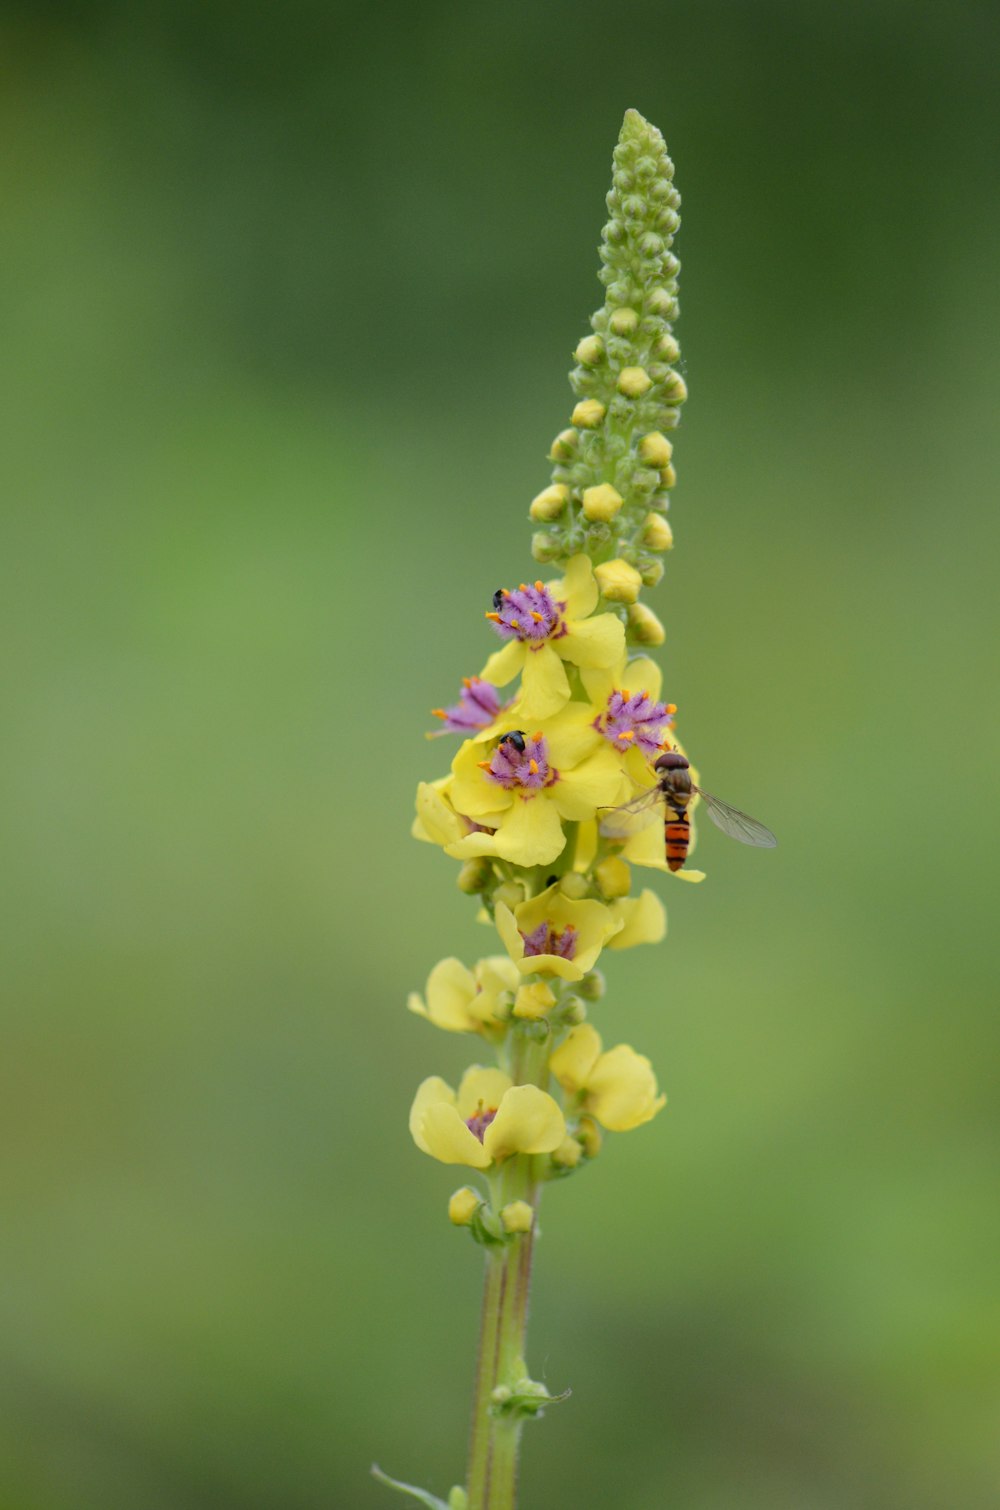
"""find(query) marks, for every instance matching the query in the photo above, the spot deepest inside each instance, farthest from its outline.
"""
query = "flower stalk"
(551, 802)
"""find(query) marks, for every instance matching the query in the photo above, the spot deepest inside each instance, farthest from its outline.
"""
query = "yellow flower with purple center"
(618, 1088)
(479, 706)
(554, 935)
(546, 625)
(530, 784)
(461, 1000)
(485, 1121)
(630, 719)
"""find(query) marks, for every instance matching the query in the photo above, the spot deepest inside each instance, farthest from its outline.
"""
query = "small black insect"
(498, 599)
(514, 737)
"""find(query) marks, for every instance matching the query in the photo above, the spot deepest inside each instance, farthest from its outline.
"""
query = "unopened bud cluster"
(613, 467)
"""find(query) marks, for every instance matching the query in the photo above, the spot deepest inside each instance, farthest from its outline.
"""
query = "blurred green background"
(288, 301)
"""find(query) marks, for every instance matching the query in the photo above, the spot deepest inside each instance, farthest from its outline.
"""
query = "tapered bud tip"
(656, 533)
(601, 503)
(614, 877)
(593, 985)
(633, 382)
(644, 627)
(588, 414)
(568, 1154)
(549, 503)
(618, 581)
(667, 348)
(589, 351)
(564, 446)
(532, 1002)
(474, 876)
(463, 1206)
(675, 389)
(655, 450)
(517, 1216)
(458, 1499)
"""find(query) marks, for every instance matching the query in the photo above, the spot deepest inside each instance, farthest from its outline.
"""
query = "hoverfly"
(675, 789)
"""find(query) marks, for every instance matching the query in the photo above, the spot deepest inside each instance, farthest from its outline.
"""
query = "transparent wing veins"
(631, 817)
(736, 824)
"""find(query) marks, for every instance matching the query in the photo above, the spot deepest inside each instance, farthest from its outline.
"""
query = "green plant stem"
(495, 1436)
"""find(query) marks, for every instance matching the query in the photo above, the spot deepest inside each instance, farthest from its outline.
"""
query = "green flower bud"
(650, 570)
(624, 322)
(574, 885)
(618, 581)
(675, 388)
(656, 533)
(588, 413)
(458, 1499)
(475, 875)
(633, 382)
(601, 502)
(655, 449)
(667, 348)
(549, 503)
(593, 985)
(644, 627)
(564, 446)
(589, 351)
(668, 477)
(660, 302)
(546, 546)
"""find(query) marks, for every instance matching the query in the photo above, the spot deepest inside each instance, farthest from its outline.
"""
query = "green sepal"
(526, 1398)
(431, 1500)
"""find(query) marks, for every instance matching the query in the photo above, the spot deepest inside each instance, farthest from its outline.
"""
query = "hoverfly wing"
(622, 822)
(736, 824)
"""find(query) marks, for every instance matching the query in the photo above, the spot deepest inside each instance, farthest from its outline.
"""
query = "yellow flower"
(617, 1088)
(643, 918)
(545, 626)
(462, 1000)
(486, 1120)
(530, 784)
(532, 1002)
(554, 935)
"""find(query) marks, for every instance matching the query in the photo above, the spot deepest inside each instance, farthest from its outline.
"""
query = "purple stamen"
(547, 939)
(527, 769)
(480, 1120)
(478, 705)
(529, 613)
(634, 719)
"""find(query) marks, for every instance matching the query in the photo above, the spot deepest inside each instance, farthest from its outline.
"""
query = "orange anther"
(466, 681)
(515, 624)
(538, 735)
(533, 767)
(523, 587)
(483, 765)
(627, 734)
(438, 713)
(495, 617)
(538, 617)
(540, 586)
(671, 707)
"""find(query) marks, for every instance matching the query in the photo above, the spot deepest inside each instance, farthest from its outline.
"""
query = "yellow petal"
(643, 675)
(429, 1093)
(530, 832)
(472, 790)
(450, 989)
(447, 1139)
(593, 642)
(644, 920)
(597, 782)
(689, 875)
(436, 818)
(544, 685)
(574, 1059)
(571, 736)
(621, 1090)
(528, 1121)
(472, 845)
(504, 664)
(509, 932)
(578, 589)
(481, 1084)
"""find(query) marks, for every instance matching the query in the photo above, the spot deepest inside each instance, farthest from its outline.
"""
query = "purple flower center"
(526, 769)
(635, 719)
(480, 1120)
(478, 705)
(548, 939)
(529, 613)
